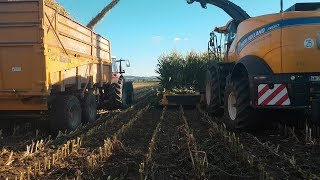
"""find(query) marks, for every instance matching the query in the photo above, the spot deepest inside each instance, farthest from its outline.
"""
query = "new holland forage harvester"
(270, 62)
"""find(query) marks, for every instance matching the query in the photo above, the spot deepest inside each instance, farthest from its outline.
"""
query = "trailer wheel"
(238, 112)
(212, 92)
(89, 108)
(65, 113)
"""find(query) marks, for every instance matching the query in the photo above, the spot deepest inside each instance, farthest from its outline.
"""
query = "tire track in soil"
(224, 162)
(125, 163)
(171, 158)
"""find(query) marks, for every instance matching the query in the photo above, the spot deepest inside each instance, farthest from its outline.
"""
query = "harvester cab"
(219, 45)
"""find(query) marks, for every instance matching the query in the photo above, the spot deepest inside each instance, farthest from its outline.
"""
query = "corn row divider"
(234, 142)
(146, 165)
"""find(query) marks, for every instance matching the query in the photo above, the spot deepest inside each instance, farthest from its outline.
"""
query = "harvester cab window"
(231, 33)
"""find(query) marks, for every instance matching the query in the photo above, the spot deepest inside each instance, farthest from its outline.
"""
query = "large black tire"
(130, 95)
(239, 114)
(89, 108)
(65, 113)
(119, 95)
(212, 93)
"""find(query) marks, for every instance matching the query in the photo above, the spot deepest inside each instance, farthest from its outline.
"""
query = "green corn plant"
(183, 72)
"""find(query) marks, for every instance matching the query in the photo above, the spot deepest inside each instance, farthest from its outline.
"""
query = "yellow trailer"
(51, 63)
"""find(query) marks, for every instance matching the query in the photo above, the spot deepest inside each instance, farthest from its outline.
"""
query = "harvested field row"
(297, 145)
(171, 158)
(269, 152)
(26, 131)
(224, 154)
(97, 150)
(126, 162)
(22, 162)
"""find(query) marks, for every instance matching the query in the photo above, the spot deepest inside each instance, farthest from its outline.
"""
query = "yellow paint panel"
(40, 48)
(296, 55)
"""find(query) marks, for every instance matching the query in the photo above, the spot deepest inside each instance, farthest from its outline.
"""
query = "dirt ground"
(148, 141)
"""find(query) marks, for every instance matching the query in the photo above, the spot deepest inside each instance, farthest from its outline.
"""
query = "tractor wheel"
(238, 112)
(212, 93)
(65, 113)
(119, 95)
(89, 108)
(129, 89)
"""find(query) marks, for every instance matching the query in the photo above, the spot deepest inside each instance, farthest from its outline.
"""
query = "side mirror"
(128, 63)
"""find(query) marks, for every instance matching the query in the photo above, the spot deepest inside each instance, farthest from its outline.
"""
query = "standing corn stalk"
(102, 13)
(178, 71)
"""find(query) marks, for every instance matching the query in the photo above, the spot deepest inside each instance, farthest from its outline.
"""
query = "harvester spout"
(236, 12)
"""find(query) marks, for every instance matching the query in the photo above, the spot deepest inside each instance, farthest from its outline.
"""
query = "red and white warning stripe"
(278, 96)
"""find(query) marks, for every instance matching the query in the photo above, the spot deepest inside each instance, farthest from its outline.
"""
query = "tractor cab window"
(115, 68)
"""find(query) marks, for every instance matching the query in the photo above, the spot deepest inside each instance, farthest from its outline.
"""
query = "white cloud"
(157, 39)
(176, 39)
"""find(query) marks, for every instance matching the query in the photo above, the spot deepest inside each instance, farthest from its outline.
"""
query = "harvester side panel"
(260, 37)
(300, 35)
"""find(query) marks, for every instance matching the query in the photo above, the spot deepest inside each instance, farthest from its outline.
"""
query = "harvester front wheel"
(238, 112)
(212, 93)
(89, 108)
(65, 113)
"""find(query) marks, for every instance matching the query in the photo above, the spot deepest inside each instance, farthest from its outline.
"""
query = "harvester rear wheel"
(65, 113)
(212, 93)
(89, 108)
(238, 112)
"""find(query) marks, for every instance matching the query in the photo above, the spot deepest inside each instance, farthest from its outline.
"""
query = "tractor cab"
(121, 90)
(117, 68)
(219, 47)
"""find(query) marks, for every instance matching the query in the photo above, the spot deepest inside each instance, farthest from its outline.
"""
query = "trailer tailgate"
(21, 47)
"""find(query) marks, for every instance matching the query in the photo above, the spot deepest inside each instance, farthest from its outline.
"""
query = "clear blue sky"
(141, 30)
